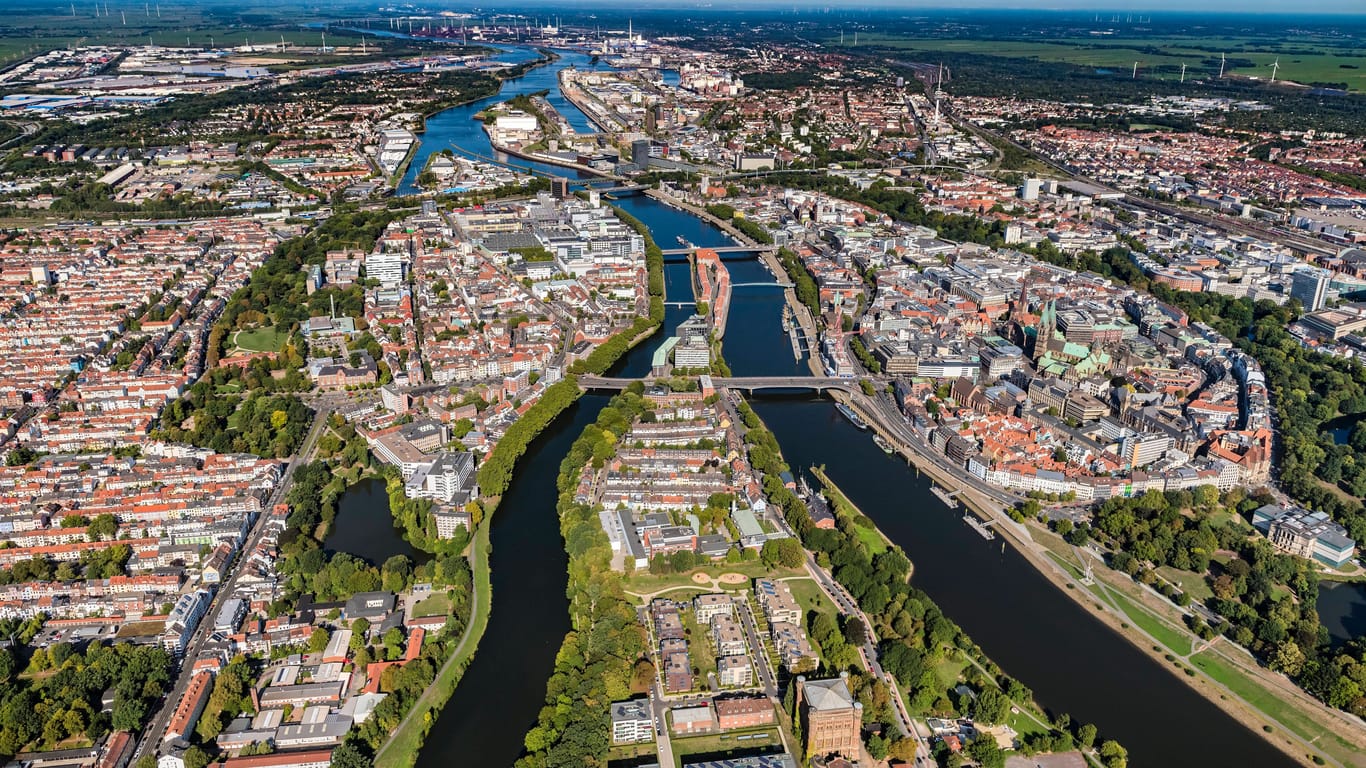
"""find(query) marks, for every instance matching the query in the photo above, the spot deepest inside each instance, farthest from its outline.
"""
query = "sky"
(1278, 7)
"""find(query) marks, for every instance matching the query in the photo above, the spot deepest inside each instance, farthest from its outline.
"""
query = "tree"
(991, 705)
(1289, 658)
(104, 526)
(128, 713)
(1113, 755)
(396, 573)
(1086, 735)
(7, 665)
(360, 629)
(195, 757)
(347, 756)
(317, 642)
(784, 552)
(987, 753)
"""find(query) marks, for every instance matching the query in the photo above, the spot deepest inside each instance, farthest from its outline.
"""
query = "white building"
(388, 267)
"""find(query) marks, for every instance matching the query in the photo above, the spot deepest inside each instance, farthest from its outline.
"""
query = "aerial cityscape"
(682, 385)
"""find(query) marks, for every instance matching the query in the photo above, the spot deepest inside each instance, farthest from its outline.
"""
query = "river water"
(1072, 662)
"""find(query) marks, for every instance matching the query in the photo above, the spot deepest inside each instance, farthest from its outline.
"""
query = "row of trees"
(595, 664)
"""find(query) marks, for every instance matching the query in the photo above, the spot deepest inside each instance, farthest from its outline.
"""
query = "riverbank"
(591, 114)
(401, 750)
(1229, 689)
(887, 566)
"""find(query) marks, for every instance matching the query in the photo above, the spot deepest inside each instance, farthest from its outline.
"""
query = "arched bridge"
(743, 383)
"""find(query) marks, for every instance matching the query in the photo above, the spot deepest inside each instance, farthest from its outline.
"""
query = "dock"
(982, 528)
(945, 497)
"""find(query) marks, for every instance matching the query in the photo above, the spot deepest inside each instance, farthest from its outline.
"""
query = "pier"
(945, 497)
(982, 528)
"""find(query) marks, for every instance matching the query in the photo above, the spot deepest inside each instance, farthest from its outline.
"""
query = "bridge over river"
(743, 383)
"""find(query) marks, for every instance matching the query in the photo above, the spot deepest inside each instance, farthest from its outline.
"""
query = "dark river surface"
(1037, 634)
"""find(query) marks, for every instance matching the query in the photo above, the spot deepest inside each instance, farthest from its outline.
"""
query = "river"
(1037, 634)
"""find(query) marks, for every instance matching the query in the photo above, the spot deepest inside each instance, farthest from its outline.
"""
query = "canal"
(1037, 634)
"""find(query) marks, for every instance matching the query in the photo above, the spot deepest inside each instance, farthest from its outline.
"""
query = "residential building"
(746, 712)
(735, 671)
(190, 706)
(631, 721)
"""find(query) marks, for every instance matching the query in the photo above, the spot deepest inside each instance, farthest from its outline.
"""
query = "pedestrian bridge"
(749, 384)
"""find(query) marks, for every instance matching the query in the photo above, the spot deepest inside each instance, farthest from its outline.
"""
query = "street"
(156, 728)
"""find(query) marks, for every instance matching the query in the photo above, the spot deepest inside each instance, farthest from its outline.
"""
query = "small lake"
(364, 526)
(1341, 427)
(1342, 610)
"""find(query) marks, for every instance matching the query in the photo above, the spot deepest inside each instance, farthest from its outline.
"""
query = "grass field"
(1175, 640)
(436, 605)
(810, 596)
(871, 539)
(1304, 62)
(948, 671)
(1192, 584)
(142, 629)
(644, 582)
(723, 743)
(1269, 703)
(260, 340)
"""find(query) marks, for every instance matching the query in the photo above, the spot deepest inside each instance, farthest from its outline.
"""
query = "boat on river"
(883, 444)
(851, 416)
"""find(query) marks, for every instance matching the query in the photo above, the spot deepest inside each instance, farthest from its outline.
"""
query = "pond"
(364, 526)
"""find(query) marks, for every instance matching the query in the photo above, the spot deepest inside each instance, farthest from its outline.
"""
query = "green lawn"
(260, 340)
(644, 582)
(700, 650)
(722, 743)
(871, 539)
(436, 605)
(948, 671)
(1271, 705)
(1024, 724)
(1191, 583)
(1177, 641)
(810, 596)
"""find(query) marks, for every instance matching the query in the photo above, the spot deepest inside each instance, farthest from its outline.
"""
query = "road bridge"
(775, 284)
(749, 384)
(721, 249)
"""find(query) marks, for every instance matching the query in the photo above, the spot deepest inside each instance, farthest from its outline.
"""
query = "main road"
(155, 731)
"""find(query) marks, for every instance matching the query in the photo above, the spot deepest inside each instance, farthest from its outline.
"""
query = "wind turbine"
(1183, 73)
(1221, 66)
(1275, 66)
(1135, 75)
